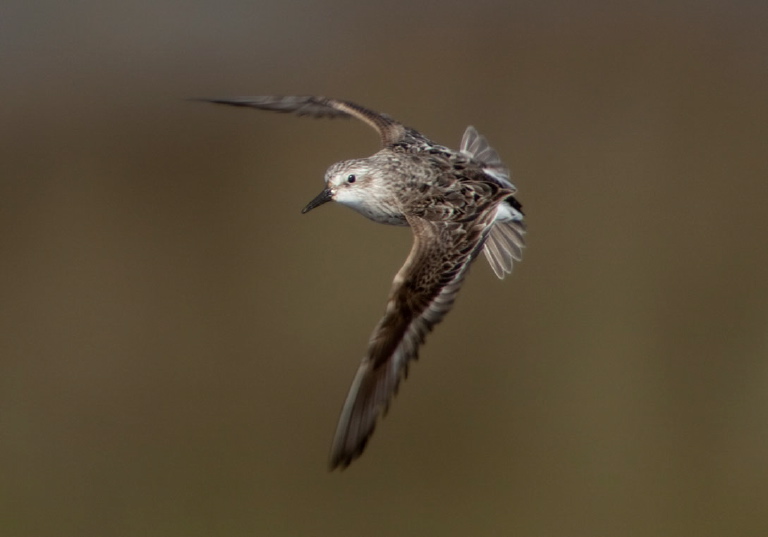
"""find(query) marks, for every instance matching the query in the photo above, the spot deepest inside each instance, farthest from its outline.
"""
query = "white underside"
(506, 212)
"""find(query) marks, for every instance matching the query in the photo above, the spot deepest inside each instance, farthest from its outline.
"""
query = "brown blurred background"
(177, 339)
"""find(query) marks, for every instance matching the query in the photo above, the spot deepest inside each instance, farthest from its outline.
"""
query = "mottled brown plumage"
(457, 203)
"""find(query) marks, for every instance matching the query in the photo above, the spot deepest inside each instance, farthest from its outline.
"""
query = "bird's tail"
(505, 241)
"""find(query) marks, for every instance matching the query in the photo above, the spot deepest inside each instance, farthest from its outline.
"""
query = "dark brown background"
(177, 339)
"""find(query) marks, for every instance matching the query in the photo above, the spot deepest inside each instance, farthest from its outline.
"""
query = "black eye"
(351, 179)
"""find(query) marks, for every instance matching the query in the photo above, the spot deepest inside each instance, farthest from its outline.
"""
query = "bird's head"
(351, 183)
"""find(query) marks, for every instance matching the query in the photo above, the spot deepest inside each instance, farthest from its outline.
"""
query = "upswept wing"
(389, 130)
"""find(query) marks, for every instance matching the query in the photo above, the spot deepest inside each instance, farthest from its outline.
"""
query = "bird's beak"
(323, 197)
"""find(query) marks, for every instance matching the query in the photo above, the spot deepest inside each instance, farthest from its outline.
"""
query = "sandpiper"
(456, 202)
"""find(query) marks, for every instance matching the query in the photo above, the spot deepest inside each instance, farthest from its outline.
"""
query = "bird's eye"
(351, 179)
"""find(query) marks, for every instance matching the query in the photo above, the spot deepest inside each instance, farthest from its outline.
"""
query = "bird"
(457, 204)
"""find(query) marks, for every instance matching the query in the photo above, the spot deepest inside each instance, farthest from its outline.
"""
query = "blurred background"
(176, 339)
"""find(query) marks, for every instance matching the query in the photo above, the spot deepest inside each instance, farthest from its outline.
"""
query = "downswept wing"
(389, 130)
(422, 293)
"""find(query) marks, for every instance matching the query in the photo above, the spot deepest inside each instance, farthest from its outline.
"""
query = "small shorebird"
(456, 202)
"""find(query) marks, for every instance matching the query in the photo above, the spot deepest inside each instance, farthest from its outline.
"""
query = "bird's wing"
(422, 293)
(389, 130)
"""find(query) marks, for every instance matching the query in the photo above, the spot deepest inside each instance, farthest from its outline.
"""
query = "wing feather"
(422, 293)
(389, 130)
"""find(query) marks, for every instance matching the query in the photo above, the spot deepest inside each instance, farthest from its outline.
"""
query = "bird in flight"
(457, 203)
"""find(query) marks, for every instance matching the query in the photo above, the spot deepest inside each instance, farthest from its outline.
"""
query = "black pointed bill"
(323, 197)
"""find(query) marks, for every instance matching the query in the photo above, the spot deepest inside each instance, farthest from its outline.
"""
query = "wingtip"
(344, 452)
(339, 464)
(215, 100)
(341, 459)
(210, 100)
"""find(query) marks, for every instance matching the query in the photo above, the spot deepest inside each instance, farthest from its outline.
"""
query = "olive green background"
(176, 339)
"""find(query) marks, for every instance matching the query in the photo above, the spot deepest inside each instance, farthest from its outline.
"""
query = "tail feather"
(474, 145)
(504, 246)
